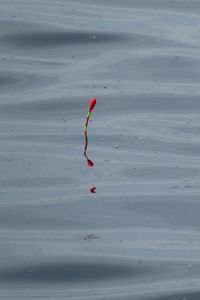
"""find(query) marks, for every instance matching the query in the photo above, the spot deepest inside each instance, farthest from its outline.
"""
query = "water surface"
(138, 236)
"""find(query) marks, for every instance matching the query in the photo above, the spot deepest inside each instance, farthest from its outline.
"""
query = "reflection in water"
(93, 189)
(89, 162)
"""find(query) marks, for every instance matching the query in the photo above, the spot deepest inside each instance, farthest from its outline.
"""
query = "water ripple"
(140, 59)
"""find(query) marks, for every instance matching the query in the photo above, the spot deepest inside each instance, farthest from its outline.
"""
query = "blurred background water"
(138, 237)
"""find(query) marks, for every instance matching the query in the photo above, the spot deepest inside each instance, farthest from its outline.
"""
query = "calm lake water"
(138, 236)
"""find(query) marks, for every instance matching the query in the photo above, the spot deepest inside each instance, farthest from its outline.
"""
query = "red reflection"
(93, 190)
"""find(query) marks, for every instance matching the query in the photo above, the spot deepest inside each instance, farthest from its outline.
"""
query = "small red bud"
(92, 104)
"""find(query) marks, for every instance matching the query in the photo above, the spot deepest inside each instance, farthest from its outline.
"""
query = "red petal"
(92, 104)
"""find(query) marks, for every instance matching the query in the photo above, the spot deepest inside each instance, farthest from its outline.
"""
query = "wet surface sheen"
(138, 236)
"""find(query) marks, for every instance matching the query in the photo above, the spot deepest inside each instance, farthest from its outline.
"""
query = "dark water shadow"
(180, 295)
(175, 296)
(74, 272)
(41, 108)
(52, 39)
(7, 79)
(10, 81)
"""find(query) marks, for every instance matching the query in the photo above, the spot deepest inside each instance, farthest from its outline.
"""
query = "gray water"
(138, 237)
